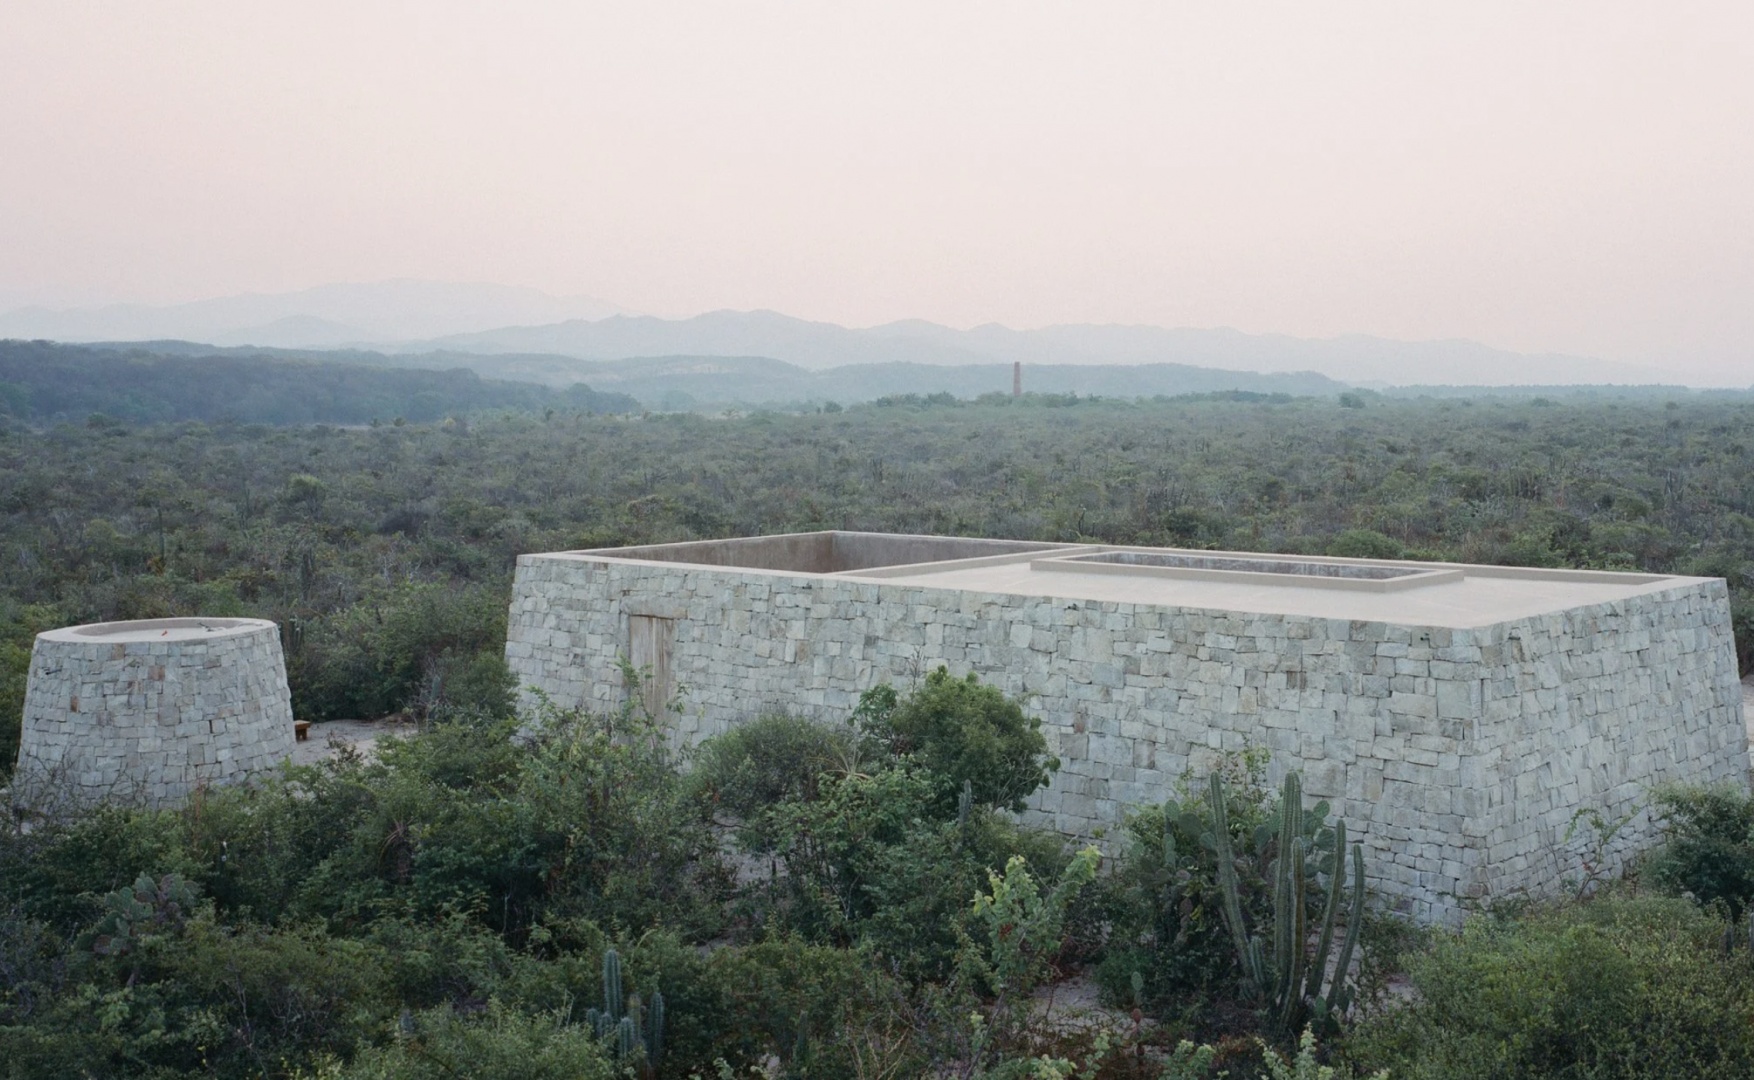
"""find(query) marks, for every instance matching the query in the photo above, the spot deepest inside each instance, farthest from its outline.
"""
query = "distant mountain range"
(692, 382)
(707, 383)
(424, 317)
(678, 383)
(323, 317)
(817, 346)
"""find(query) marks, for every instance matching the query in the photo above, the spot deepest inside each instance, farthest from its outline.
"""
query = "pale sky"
(1574, 177)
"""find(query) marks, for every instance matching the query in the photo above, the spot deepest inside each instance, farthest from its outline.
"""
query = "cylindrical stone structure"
(145, 712)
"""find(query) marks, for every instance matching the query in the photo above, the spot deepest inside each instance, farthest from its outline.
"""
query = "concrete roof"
(1377, 590)
(157, 630)
(1479, 596)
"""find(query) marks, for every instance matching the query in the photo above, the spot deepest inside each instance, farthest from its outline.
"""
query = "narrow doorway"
(648, 649)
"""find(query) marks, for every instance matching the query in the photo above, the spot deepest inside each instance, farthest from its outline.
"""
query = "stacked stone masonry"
(147, 712)
(1461, 756)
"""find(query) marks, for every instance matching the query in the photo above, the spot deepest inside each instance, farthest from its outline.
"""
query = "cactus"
(292, 636)
(1290, 985)
(612, 999)
(801, 1042)
(1248, 952)
(655, 1028)
(634, 1025)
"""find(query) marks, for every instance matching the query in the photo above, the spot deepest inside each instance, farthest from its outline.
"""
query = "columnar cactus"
(629, 1022)
(612, 999)
(1289, 984)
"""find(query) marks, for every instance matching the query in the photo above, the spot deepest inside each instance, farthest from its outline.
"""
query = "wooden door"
(648, 648)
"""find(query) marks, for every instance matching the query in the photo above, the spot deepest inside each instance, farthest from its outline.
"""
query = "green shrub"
(874, 861)
(19, 626)
(59, 871)
(1708, 849)
(820, 1010)
(188, 997)
(452, 960)
(1163, 901)
(960, 731)
(401, 649)
(920, 889)
(499, 1044)
(766, 761)
(1614, 989)
(475, 688)
(586, 817)
(1024, 929)
(829, 845)
(1365, 544)
(582, 816)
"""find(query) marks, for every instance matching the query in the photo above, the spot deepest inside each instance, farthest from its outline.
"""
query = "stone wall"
(1458, 755)
(148, 721)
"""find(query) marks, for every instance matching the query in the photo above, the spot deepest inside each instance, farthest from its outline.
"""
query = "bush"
(59, 870)
(19, 626)
(1709, 846)
(961, 732)
(920, 889)
(769, 760)
(1615, 989)
(818, 1009)
(181, 997)
(1163, 902)
(1365, 544)
(500, 1044)
(873, 861)
(472, 688)
(399, 650)
(582, 816)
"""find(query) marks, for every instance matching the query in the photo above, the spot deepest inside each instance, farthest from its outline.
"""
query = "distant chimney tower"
(1016, 378)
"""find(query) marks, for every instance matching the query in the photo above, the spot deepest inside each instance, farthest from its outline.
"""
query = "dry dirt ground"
(324, 740)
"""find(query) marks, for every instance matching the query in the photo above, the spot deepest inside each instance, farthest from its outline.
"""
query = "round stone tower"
(148, 711)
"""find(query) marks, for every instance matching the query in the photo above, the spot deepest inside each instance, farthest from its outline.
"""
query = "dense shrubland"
(386, 551)
(802, 894)
(42, 382)
(802, 898)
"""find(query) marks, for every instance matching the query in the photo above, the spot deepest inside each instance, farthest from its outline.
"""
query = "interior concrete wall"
(866, 551)
(828, 552)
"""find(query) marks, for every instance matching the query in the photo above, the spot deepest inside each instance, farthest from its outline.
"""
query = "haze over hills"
(487, 320)
(328, 315)
(711, 383)
(686, 382)
(817, 346)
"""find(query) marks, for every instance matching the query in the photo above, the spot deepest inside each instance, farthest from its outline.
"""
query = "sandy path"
(325, 739)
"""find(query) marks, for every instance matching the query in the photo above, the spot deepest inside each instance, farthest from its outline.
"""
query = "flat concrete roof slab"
(190, 629)
(1469, 599)
(1452, 595)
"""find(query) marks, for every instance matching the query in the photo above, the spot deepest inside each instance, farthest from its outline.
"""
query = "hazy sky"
(1549, 176)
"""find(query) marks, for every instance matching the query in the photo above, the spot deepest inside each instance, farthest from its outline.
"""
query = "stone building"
(148, 711)
(1459, 717)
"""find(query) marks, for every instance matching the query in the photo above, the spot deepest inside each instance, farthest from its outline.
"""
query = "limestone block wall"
(1459, 756)
(148, 711)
